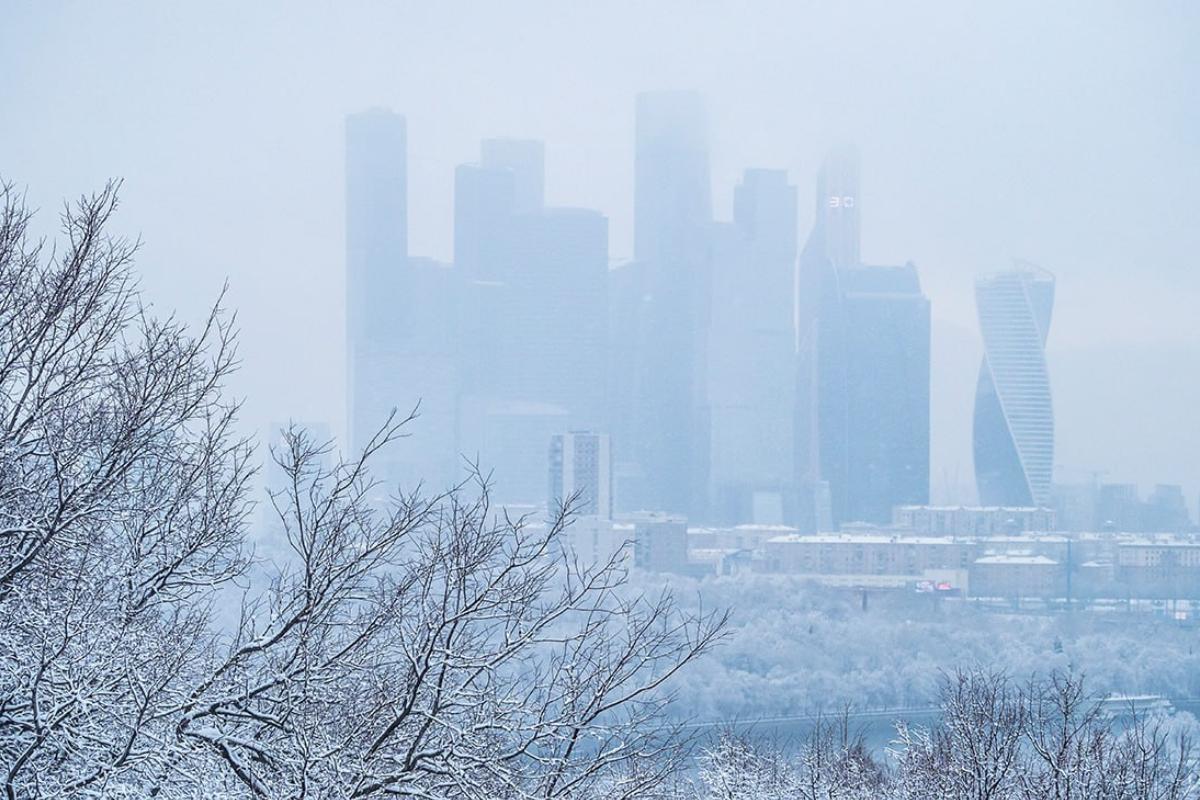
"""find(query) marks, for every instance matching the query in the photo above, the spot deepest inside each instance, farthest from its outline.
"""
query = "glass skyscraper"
(751, 354)
(672, 220)
(862, 403)
(376, 264)
(1014, 419)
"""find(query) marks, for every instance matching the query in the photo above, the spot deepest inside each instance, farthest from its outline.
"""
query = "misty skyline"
(1069, 140)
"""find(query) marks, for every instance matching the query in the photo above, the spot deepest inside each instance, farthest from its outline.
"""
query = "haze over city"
(1064, 135)
(617, 401)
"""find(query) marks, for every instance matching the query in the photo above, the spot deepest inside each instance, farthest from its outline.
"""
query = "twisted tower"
(1014, 419)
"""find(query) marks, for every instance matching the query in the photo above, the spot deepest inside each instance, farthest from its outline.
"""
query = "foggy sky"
(1067, 134)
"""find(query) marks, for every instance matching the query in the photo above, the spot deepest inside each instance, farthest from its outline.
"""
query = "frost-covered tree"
(833, 763)
(996, 740)
(122, 501)
(975, 751)
(409, 645)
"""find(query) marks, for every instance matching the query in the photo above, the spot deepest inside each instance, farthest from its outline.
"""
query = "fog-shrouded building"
(484, 200)
(751, 355)
(660, 541)
(377, 272)
(865, 555)
(973, 521)
(557, 316)
(1118, 507)
(1166, 568)
(427, 379)
(627, 316)
(672, 215)
(862, 392)
(581, 469)
(531, 322)
(1014, 419)
(1166, 510)
(525, 159)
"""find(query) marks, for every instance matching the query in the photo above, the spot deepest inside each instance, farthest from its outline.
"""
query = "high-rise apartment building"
(1014, 418)
(581, 469)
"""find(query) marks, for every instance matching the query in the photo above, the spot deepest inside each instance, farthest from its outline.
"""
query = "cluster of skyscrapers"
(724, 373)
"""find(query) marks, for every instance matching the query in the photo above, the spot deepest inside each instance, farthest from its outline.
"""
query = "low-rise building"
(972, 520)
(845, 554)
(1165, 568)
(738, 537)
(660, 541)
(594, 540)
(1018, 575)
(718, 561)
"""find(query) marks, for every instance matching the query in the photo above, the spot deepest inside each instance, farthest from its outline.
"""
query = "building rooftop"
(1017, 558)
(1156, 542)
(977, 509)
(862, 538)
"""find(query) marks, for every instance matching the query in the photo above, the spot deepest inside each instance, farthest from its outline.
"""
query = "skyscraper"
(376, 264)
(862, 403)
(751, 354)
(525, 159)
(1014, 419)
(399, 314)
(532, 322)
(506, 182)
(427, 372)
(484, 200)
(672, 217)
(559, 310)
(581, 468)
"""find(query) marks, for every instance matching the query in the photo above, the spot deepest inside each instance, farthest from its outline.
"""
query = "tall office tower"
(672, 217)
(525, 158)
(488, 198)
(560, 310)
(751, 355)
(428, 376)
(532, 326)
(1014, 419)
(552, 345)
(484, 200)
(627, 301)
(862, 403)
(376, 265)
(483, 212)
(507, 181)
(581, 468)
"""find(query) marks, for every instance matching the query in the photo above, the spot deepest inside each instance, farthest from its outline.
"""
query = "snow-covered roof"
(1017, 558)
(861, 538)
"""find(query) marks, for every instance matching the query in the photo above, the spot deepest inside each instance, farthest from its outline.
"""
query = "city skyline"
(1070, 151)
(589, 345)
(474, 399)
